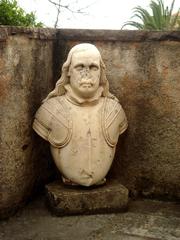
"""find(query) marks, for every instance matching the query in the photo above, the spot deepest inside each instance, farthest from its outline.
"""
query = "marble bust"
(81, 119)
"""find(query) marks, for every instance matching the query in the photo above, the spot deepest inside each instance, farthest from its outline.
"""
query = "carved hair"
(64, 79)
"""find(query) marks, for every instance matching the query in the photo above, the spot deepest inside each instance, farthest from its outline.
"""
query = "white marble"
(81, 119)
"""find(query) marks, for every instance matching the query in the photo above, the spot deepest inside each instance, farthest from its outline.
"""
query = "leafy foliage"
(161, 17)
(12, 14)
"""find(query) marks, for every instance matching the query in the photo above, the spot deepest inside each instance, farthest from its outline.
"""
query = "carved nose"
(86, 71)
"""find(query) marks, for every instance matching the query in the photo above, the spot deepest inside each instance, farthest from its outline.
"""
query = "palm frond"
(157, 14)
(133, 24)
(160, 18)
(172, 7)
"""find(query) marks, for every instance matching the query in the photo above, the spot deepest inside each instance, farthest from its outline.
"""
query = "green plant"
(12, 14)
(160, 18)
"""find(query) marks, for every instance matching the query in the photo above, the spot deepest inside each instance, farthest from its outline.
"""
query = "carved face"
(84, 73)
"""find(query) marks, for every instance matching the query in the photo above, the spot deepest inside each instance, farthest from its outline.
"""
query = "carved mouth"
(86, 85)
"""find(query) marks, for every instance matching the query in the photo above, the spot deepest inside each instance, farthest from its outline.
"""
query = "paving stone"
(144, 220)
(68, 200)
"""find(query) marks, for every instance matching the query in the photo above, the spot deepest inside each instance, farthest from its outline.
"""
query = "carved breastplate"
(83, 138)
(54, 120)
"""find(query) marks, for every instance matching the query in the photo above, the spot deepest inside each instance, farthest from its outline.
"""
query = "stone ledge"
(66, 200)
(89, 34)
(117, 35)
(30, 32)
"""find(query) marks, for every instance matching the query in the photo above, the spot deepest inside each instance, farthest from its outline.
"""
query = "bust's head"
(84, 71)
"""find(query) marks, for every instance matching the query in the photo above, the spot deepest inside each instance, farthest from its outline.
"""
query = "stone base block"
(69, 200)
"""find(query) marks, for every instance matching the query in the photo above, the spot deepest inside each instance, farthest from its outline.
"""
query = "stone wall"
(26, 76)
(143, 71)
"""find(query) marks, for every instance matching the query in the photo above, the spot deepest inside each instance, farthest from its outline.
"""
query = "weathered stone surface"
(146, 78)
(29, 32)
(143, 70)
(26, 78)
(144, 220)
(116, 35)
(82, 147)
(68, 200)
(144, 74)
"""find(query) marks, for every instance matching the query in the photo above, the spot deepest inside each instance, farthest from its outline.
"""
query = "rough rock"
(71, 200)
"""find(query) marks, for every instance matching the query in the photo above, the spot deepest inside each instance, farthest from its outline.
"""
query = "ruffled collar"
(73, 98)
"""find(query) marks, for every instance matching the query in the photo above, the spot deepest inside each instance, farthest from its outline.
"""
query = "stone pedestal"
(71, 200)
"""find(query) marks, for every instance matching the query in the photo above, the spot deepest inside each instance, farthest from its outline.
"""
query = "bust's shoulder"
(114, 121)
(113, 104)
(53, 102)
(115, 112)
(52, 106)
(51, 115)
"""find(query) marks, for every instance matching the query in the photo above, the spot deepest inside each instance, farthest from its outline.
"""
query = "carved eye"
(79, 67)
(94, 67)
